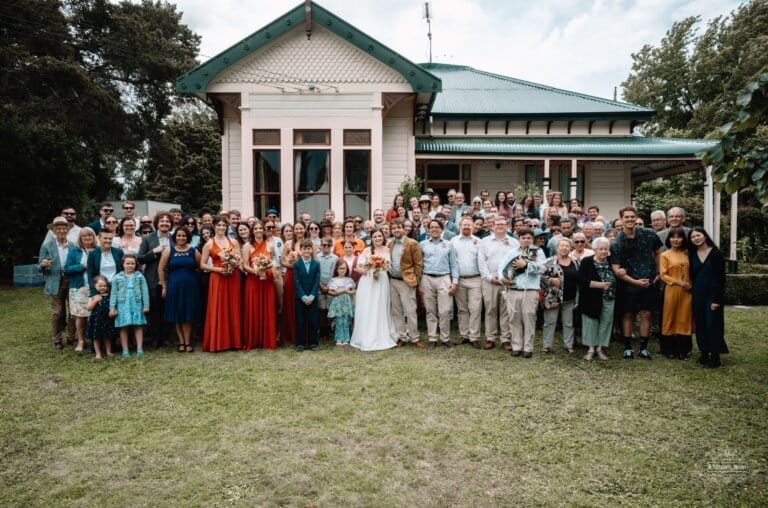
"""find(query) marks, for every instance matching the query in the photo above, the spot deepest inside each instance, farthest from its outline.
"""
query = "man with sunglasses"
(129, 209)
(145, 225)
(105, 210)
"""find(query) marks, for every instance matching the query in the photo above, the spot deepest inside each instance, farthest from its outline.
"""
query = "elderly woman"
(580, 250)
(597, 295)
(53, 256)
(76, 269)
(559, 282)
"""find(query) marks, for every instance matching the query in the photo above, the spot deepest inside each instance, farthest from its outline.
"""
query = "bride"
(374, 329)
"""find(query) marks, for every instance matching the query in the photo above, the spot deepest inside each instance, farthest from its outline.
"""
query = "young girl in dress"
(342, 308)
(128, 302)
(100, 327)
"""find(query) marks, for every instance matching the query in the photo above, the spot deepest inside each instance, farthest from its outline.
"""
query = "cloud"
(579, 45)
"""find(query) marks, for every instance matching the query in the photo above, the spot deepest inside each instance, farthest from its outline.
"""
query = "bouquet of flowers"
(376, 264)
(232, 258)
(261, 264)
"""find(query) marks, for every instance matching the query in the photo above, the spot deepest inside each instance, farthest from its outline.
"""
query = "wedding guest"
(288, 257)
(407, 266)
(351, 259)
(559, 282)
(502, 207)
(398, 202)
(327, 261)
(223, 320)
(341, 288)
(105, 210)
(75, 269)
(70, 215)
(181, 287)
(708, 276)
(677, 314)
(521, 271)
(101, 327)
(125, 237)
(438, 283)
(491, 251)
(104, 260)
(349, 235)
(190, 223)
(597, 294)
(150, 252)
(53, 259)
(580, 250)
(260, 322)
(128, 303)
(145, 225)
(469, 295)
(306, 272)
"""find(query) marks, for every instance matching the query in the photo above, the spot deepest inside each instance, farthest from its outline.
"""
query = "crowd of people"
(501, 266)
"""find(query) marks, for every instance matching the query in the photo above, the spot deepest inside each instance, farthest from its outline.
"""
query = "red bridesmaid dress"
(260, 321)
(223, 317)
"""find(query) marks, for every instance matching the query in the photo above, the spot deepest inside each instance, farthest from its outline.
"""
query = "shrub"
(746, 289)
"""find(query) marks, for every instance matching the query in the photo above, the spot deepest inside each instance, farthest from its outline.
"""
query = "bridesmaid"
(287, 258)
(708, 276)
(181, 290)
(260, 322)
(223, 326)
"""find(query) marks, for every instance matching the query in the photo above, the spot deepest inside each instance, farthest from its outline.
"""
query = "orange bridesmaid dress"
(260, 321)
(223, 317)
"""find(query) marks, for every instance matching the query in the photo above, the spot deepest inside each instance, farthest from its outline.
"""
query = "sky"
(579, 45)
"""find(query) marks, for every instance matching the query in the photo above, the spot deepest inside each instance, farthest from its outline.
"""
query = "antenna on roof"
(428, 16)
(615, 91)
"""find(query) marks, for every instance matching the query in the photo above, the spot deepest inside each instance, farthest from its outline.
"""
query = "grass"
(395, 428)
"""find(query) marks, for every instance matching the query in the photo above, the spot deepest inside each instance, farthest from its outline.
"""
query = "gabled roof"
(472, 94)
(197, 80)
(637, 146)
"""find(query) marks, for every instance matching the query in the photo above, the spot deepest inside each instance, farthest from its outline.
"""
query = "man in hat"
(53, 256)
(69, 213)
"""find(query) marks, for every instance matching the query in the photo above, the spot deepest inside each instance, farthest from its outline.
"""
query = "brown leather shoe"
(400, 343)
(475, 344)
(464, 340)
(418, 345)
(489, 345)
(527, 354)
(506, 346)
(516, 353)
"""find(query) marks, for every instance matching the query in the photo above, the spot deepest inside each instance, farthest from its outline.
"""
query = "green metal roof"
(600, 146)
(472, 94)
(196, 80)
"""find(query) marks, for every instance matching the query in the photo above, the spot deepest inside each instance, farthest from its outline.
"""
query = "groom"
(407, 264)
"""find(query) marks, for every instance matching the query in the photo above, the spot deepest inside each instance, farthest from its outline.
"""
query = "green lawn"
(396, 428)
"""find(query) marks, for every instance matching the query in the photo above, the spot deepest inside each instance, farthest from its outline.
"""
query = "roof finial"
(308, 18)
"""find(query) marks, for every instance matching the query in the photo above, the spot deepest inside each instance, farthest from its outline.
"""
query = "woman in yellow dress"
(677, 315)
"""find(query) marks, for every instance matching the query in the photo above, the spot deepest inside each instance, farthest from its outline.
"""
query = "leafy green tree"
(83, 85)
(184, 164)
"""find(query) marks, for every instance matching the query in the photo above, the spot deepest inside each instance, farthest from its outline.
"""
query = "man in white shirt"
(469, 295)
(494, 248)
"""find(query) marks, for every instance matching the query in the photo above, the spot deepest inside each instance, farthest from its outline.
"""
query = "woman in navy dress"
(708, 276)
(181, 287)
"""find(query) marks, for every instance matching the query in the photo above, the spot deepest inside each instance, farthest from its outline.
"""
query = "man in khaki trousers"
(407, 265)
(438, 283)
(469, 296)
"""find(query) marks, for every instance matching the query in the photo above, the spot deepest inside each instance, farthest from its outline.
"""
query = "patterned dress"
(342, 308)
(100, 325)
(129, 296)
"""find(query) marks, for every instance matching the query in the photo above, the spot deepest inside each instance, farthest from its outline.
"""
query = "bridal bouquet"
(261, 264)
(376, 264)
(232, 258)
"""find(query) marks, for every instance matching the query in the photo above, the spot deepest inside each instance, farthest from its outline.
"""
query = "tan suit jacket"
(411, 262)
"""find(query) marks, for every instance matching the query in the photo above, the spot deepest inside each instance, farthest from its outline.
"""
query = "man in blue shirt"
(438, 283)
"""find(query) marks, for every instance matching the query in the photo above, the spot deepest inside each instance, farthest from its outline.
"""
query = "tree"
(184, 164)
(83, 85)
(741, 159)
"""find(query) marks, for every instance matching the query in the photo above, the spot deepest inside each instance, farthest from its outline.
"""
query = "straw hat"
(58, 221)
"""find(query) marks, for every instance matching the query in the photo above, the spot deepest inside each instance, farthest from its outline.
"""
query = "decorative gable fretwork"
(324, 58)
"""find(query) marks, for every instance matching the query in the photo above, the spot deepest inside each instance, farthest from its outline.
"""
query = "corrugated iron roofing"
(615, 146)
(470, 91)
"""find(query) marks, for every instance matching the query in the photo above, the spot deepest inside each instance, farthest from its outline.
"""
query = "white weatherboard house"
(316, 114)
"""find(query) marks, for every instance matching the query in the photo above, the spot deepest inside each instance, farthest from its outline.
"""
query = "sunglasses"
(68, 213)
(269, 228)
(107, 210)
(128, 208)
(191, 223)
(144, 222)
(327, 245)
(314, 228)
(579, 241)
(111, 222)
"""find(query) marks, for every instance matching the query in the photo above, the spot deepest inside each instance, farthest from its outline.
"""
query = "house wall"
(607, 185)
(399, 147)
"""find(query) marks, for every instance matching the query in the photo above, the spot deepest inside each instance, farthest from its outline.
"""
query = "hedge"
(746, 289)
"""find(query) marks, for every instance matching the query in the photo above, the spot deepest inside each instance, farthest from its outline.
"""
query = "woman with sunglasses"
(580, 249)
(110, 224)
(190, 224)
(477, 207)
(314, 234)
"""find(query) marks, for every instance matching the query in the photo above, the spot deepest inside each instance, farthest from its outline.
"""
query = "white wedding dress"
(374, 329)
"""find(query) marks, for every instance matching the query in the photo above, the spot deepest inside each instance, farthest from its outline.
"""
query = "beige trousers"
(438, 304)
(496, 315)
(403, 309)
(469, 301)
(522, 306)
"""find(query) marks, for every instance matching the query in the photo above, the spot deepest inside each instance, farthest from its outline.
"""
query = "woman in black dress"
(708, 276)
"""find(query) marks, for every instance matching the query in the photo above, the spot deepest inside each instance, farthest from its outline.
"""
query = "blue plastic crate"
(27, 276)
